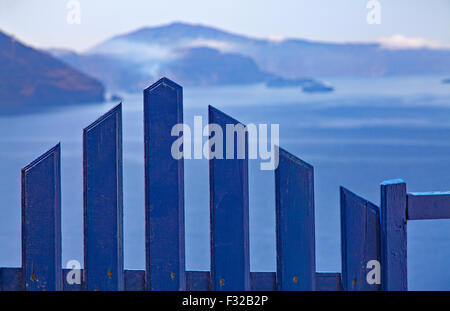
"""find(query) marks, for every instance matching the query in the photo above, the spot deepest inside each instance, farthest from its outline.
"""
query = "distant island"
(200, 55)
(307, 85)
(31, 78)
(195, 55)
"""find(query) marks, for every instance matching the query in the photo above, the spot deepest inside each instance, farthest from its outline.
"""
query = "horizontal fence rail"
(373, 239)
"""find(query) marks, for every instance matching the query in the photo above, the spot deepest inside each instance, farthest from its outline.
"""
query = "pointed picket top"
(41, 222)
(52, 151)
(111, 112)
(163, 82)
(293, 158)
(220, 115)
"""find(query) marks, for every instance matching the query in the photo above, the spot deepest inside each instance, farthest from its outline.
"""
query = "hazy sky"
(43, 23)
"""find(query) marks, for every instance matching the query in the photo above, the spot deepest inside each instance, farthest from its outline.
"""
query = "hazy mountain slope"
(202, 55)
(206, 66)
(133, 68)
(32, 77)
(289, 58)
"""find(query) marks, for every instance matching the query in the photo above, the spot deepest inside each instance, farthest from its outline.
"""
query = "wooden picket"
(296, 261)
(228, 180)
(368, 233)
(103, 210)
(164, 188)
(360, 240)
(41, 223)
(393, 235)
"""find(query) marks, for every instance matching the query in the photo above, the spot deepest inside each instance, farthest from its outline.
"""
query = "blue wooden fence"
(369, 233)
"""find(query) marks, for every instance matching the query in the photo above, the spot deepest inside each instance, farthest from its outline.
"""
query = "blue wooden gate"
(369, 234)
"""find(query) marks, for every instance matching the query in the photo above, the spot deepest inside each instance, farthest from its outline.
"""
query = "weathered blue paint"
(11, 279)
(328, 281)
(393, 236)
(263, 281)
(360, 240)
(134, 280)
(197, 281)
(266, 281)
(228, 181)
(103, 210)
(41, 222)
(428, 205)
(295, 229)
(364, 228)
(164, 188)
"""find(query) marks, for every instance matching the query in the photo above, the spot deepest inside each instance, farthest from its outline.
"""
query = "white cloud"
(276, 38)
(399, 42)
(222, 46)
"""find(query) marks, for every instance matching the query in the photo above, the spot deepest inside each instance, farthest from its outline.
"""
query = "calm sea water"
(368, 131)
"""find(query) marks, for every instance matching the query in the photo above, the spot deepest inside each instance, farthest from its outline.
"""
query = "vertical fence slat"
(393, 236)
(230, 264)
(41, 223)
(103, 210)
(164, 192)
(295, 229)
(360, 240)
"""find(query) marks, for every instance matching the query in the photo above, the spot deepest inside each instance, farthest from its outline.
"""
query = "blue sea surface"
(367, 131)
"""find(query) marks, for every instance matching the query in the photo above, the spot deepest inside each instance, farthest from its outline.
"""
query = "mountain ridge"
(149, 52)
(31, 77)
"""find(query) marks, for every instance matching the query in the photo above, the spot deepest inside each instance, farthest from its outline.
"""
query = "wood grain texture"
(41, 222)
(230, 262)
(103, 202)
(394, 252)
(360, 240)
(164, 188)
(295, 228)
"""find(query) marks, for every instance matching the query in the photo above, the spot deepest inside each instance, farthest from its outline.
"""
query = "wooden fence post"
(103, 210)
(41, 223)
(360, 242)
(228, 182)
(393, 236)
(295, 228)
(164, 188)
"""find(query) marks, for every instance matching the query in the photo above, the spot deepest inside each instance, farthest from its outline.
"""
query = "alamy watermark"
(74, 275)
(374, 14)
(74, 13)
(374, 274)
(235, 137)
